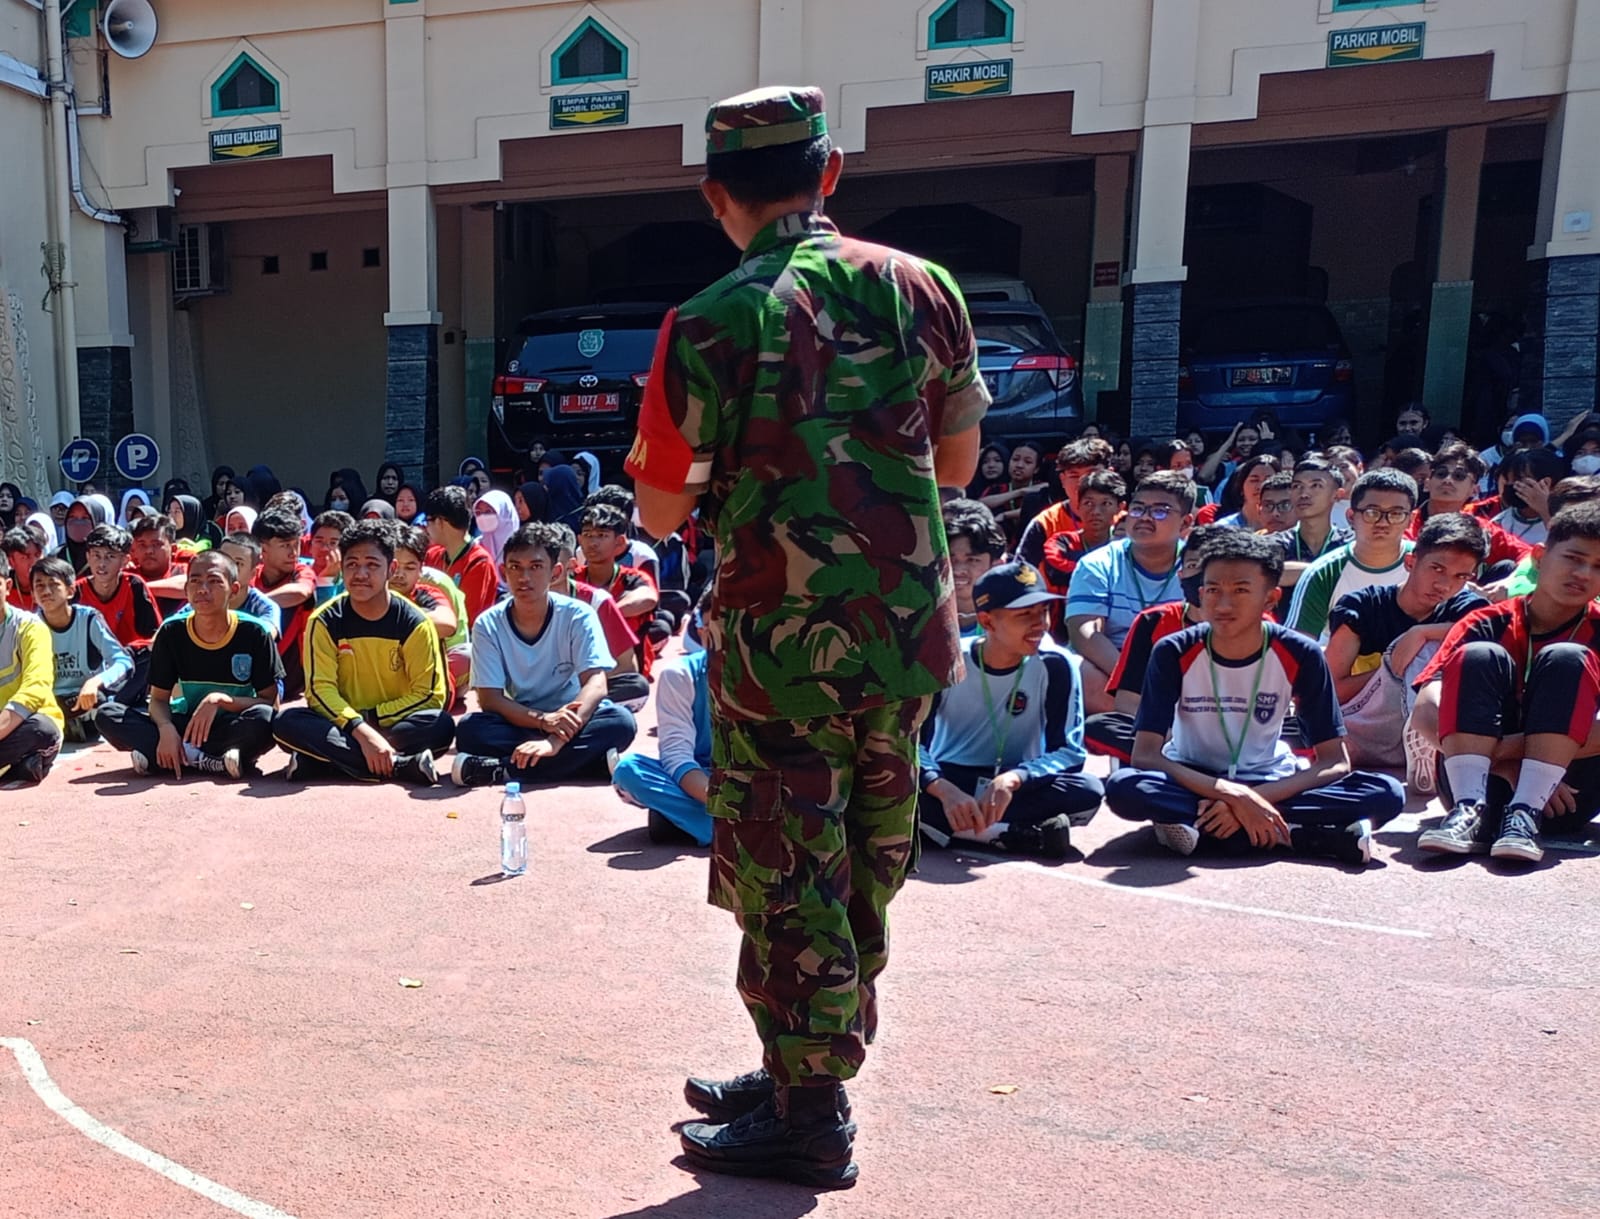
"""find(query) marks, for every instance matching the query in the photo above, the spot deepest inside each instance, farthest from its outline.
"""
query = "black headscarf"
(213, 501)
(565, 493)
(399, 479)
(196, 527)
(14, 514)
(260, 484)
(537, 499)
(416, 497)
(350, 483)
(171, 489)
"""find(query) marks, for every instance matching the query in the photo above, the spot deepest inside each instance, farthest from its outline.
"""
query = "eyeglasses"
(1458, 474)
(1390, 516)
(1156, 512)
(1277, 505)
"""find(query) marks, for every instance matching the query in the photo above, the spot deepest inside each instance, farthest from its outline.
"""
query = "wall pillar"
(1102, 316)
(1559, 347)
(1450, 316)
(1160, 203)
(105, 341)
(478, 294)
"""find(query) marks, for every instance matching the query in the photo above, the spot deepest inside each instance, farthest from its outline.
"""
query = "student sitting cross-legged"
(539, 665)
(91, 663)
(1208, 754)
(214, 677)
(375, 678)
(30, 718)
(1002, 749)
(672, 788)
(1512, 695)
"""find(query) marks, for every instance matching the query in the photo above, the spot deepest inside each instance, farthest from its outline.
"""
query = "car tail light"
(518, 385)
(1185, 380)
(1342, 371)
(641, 379)
(1062, 370)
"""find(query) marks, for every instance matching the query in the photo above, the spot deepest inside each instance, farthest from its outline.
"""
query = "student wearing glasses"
(1277, 503)
(1113, 584)
(1452, 484)
(1381, 503)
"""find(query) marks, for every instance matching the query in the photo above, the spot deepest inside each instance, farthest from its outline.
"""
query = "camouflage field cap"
(764, 118)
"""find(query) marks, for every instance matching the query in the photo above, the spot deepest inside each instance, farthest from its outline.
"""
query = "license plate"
(1268, 374)
(587, 404)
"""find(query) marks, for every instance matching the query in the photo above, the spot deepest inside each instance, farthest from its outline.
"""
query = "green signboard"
(1375, 44)
(978, 78)
(247, 143)
(608, 109)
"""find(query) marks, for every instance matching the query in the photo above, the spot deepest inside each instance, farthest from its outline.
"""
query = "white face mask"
(1187, 472)
(1505, 439)
(488, 522)
(1588, 463)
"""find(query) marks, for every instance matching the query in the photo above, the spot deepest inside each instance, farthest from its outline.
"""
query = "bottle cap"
(513, 789)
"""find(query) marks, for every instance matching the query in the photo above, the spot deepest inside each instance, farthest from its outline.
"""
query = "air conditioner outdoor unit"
(152, 230)
(199, 263)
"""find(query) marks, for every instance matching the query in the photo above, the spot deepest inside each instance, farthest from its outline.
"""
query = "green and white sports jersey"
(1331, 577)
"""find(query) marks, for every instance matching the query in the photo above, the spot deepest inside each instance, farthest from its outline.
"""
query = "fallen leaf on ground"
(36, 1022)
(1199, 1098)
(129, 952)
(411, 983)
(1548, 1032)
(72, 901)
(1003, 1089)
(24, 823)
(247, 905)
(453, 816)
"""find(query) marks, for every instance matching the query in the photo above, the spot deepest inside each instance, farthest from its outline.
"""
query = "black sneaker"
(727, 1099)
(475, 770)
(1462, 832)
(416, 769)
(32, 769)
(663, 831)
(797, 1135)
(1519, 836)
(1351, 845)
(1050, 839)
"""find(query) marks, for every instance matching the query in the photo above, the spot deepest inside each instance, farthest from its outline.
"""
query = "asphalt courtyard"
(202, 1014)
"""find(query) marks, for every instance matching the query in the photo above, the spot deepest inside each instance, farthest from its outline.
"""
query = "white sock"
(1536, 783)
(1469, 777)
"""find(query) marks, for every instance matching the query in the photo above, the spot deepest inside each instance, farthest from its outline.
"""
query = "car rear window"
(1267, 328)
(562, 347)
(1008, 332)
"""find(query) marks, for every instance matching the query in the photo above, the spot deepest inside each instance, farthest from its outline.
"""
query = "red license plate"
(587, 404)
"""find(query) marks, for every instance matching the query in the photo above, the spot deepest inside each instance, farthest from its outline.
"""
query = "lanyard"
(1235, 748)
(1138, 584)
(1533, 648)
(996, 725)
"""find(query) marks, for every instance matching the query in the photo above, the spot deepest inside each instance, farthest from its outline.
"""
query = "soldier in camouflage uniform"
(811, 401)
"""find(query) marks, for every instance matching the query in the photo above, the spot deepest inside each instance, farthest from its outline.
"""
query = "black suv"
(572, 380)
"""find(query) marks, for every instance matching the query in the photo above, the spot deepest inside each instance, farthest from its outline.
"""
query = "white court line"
(1206, 903)
(39, 1080)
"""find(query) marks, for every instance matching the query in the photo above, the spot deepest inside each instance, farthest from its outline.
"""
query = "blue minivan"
(1285, 356)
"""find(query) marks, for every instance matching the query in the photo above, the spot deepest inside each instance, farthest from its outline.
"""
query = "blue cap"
(513, 788)
(1014, 585)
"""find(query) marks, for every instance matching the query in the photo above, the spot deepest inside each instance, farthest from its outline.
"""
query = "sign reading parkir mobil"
(589, 110)
(1375, 44)
(982, 78)
(247, 143)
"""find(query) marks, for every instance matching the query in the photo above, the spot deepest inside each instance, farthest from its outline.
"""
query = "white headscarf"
(506, 521)
(249, 515)
(592, 463)
(127, 496)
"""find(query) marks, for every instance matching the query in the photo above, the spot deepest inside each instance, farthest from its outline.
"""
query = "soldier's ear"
(831, 171)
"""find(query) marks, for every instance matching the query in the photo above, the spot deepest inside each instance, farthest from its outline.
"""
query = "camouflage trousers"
(813, 828)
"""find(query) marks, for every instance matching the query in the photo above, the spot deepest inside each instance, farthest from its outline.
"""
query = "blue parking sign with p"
(137, 456)
(80, 461)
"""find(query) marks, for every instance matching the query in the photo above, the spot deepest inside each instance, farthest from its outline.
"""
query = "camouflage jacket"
(803, 394)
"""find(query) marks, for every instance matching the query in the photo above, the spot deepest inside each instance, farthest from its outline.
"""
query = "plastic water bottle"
(513, 832)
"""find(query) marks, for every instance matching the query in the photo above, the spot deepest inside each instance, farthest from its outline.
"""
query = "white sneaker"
(1422, 760)
(141, 764)
(1178, 838)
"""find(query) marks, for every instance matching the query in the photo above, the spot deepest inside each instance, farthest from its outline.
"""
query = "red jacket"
(474, 572)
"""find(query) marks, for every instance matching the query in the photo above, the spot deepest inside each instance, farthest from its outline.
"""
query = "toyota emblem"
(588, 380)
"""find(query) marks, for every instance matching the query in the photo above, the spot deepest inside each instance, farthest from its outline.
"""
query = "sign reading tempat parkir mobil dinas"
(589, 110)
(979, 78)
(247, 143)
(1375, 44)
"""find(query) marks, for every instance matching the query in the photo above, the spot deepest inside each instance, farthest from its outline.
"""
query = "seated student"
(90, 661)
(288, 583)
(30, 718)
(1381, 637)
(213, 685)
(1114, 583)
(1350, 466)
(1277, 504)
(539, 663)
(672, 788)
(156, 560)
(1578, 489)
(1526, 477)
(1451, 484)
(375, 678)
(977, 543)
(436, 595)
(1511, 697)
(1381, 502)
(326, 560)
(1110, 734)
(1074, 462)
(1208, 751)
(603, 539)
(245, 552)
(1002, 749)
(625, 685)
(1315, 485)
(1102, 496)
(123, 600)
(22, 550)
(462, 558)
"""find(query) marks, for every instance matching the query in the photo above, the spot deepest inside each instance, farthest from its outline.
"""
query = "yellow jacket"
(391, 667)
(27, 666)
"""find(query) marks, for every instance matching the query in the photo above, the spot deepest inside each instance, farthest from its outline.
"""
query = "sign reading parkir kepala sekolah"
(1376, 44)
(589, 110)
(247, 143)
(979, 78)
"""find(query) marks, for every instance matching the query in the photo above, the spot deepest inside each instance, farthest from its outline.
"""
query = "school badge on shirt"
(1266, 707)
(240, 662)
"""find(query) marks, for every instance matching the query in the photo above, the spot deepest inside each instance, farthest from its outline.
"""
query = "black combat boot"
(798, 1135)
(724, 1100)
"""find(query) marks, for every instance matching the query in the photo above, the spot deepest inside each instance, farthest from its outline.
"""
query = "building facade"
(315, 223)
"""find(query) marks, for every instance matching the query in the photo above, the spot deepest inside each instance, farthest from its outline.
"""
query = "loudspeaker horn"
(129, 27)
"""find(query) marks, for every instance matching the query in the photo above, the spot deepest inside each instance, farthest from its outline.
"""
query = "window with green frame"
(590, 54)
(245, 88)
(970, 23)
